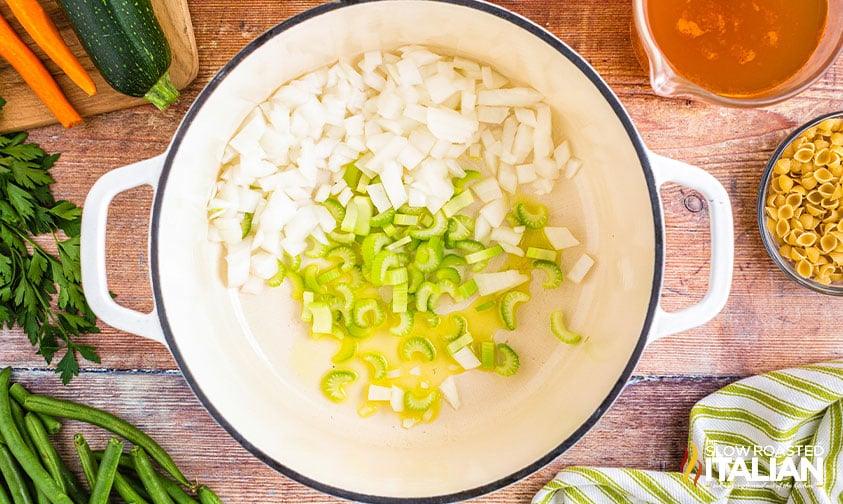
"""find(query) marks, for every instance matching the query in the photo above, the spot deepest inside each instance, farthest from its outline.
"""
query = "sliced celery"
(532, 218)
(333, 383)
(557, 327)
(487, 355)
(455, 345)
(378, 363)
(509, 362)
(405, 220)
(383, 218)
(420, 401)
(405, 324)
(553, 273)
(541, 253)
(457, 203)
(509, 301)
(435, 228)
(417, 345)
(368, 313)
(484, 255)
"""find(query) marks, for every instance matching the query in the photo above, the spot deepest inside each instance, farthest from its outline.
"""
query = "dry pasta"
(804, 199)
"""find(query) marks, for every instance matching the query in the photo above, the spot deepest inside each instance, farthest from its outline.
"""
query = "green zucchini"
(126, 44)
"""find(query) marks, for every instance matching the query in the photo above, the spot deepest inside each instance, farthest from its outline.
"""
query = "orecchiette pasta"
(803, 203)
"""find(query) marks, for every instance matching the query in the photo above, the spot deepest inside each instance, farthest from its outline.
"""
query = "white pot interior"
(249, 357)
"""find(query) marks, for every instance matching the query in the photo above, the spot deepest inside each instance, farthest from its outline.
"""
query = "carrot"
(43, 31)
(36, 75)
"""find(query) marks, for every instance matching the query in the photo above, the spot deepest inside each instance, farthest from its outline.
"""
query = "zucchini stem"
(163, 93)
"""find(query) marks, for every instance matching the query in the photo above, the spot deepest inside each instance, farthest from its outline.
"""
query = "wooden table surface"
(768, 323)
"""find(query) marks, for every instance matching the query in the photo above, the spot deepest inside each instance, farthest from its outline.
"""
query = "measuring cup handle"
(92, 248)
(722, 246)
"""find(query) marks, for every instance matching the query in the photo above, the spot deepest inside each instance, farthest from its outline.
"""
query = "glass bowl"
(766, 217)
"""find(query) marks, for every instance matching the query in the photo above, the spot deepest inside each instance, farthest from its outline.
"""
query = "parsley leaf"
(41, 292)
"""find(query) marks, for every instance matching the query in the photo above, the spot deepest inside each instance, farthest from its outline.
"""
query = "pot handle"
(92, 248)
(722, 246)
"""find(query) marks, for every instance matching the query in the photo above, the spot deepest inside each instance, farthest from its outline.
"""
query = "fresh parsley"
(41, 291)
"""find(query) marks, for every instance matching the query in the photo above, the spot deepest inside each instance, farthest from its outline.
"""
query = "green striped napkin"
(772, 438)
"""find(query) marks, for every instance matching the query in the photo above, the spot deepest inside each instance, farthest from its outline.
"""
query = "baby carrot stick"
(43, 31)
(36, 75)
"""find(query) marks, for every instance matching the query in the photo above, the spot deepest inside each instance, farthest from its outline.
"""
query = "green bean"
(148, 476)
(27, 459)
(49, 457)
(86, 459)
(107, 470)
(4, 495)
(19, 393)
(175, 491)
(136, 486)
(207, 496)
(20, 423)
(14, 477)
(68, 409)
(74, 489)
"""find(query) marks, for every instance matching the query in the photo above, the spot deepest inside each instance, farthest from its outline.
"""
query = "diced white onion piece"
(490, 283)
(278, 212)
(264, 265)
(410, 157)
(560, 237)
(526, 116)
(408, 73)
(422, 140)
(512, 249)
(495, 212)
(440, 87)
(371, 60)
(391, 178)
(482, 230)
(526, 173)
(345, 196)
(492, 115)
(322, 193)
(450, 125)
(580, 268)
(562, 154)
(546, 168)
(510, 97)
(252, 286)
(378, 196)
(507, 178)
(249, 136)
(379, 393)
(396, 399)
(573, 167)
(465, 357)
(414, 371)
(487, 190)
(523, 143)
(503, 234)
(409, 423)
(542, 186)
(448, 387)
(237, 262)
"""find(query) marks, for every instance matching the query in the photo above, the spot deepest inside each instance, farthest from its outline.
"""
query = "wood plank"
(25, 110)
(646, 429)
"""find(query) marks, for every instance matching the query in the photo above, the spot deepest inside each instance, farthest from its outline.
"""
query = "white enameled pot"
(244, 356)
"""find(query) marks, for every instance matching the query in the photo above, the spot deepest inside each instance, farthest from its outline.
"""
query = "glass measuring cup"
(666, 81)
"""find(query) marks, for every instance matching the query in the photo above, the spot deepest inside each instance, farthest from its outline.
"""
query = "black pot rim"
(554, 452)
